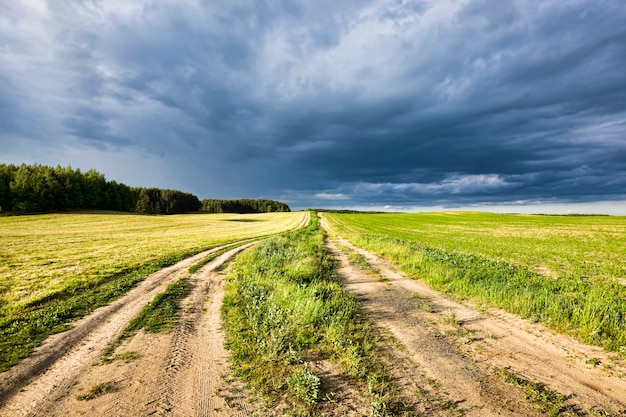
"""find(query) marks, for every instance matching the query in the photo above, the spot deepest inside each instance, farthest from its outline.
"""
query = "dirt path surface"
(483, 363)
(183, 373)
(447, 358)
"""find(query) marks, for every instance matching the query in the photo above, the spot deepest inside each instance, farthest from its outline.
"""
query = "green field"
(57, 267)
(568, 272)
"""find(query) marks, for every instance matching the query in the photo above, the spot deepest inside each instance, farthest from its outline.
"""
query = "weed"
(422, 304)
(379, 408)
(434, 384)
(598, 412)
(549, 401)
(97, 391)
(330, 397)
(304, 384)
(463, 336)
(451, 317)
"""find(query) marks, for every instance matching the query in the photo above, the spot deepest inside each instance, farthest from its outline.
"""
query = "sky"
(516, 106)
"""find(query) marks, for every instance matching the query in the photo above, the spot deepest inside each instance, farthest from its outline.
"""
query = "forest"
(38, 189)
(243, 206)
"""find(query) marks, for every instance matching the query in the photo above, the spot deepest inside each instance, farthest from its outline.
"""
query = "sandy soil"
(182, 373)
(462, 353)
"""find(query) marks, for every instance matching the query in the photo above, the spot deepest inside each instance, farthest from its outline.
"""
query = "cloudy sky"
(366, 104)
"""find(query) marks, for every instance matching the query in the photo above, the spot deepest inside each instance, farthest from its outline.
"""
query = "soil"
(446, 358)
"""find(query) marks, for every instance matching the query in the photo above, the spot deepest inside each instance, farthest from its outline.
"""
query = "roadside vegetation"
(564, 271)
(284, 310)
(59, 267)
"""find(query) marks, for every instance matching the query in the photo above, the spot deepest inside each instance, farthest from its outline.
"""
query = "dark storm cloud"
(405, 103)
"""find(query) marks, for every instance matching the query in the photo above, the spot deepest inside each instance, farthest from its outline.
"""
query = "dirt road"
(486, 363)
(447, 358)
(181, 373)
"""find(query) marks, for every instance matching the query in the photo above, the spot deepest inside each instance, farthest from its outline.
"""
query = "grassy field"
(565, 271)
(286, 308)
(55, 268)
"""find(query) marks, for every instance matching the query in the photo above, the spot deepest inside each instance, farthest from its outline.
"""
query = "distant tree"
(27, 189)
(7, 173)
(94, 183)
(143, 204)
(163, 201)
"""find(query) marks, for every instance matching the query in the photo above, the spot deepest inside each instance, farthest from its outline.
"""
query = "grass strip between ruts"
(284, 306)
(157, 316)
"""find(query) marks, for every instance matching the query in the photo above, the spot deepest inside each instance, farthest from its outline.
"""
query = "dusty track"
(461, 353)
(189, 358)
(448, 361)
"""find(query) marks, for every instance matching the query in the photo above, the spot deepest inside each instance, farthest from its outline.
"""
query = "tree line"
(38, 188)
(243, 206)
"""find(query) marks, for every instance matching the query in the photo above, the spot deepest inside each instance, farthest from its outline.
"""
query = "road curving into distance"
(39, 384)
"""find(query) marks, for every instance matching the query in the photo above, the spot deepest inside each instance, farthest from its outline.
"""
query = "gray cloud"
(408, 103)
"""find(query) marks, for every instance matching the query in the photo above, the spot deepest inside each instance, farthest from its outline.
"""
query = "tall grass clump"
(284, 308)
(594, 311)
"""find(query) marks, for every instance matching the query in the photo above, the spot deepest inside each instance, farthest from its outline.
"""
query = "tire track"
(49, 373)
(197, 357)
(478, 344)
(448, 376)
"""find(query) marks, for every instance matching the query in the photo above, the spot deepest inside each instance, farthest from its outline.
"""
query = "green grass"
(24, 329)
(496, 260)
(195, 267)
(359, 261)
(56, 268)
(548, 401)
(284, 308)
(98, 390)
(157, 316)
(593, 247)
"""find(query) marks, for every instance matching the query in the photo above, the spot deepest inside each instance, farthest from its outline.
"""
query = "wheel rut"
(49, 381)
(465, 355)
